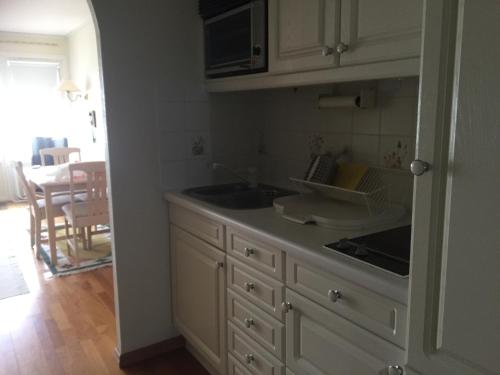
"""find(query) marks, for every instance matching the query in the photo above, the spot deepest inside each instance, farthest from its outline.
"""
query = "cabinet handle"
(249, 286)
(249, 358)
(327, 51)
(341, 48)
(249, 251)
(334, 295)
(286, 307)
(395, 370)
(219, 264)
(249, 322)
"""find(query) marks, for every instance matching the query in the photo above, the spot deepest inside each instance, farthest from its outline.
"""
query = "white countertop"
(304, 242)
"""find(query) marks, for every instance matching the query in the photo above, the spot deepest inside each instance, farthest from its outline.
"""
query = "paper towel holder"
(365, 99)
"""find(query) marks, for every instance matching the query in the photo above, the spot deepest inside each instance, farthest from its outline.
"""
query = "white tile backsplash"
(365, 147)
(172, 146)
(170, 116)
(366, 121)
(398, 116)
(197, 116)
(279, 129)
(174, 175)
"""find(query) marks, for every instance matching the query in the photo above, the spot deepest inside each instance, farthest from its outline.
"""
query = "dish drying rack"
(371, 191)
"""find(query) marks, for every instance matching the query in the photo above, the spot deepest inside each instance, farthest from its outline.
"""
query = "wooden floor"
(64, 325)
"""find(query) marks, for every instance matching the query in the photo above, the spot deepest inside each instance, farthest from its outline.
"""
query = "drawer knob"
(334, 295)
(249, 251)
(249, 358)
(395, 370)
(327, 51)
(341, 48)
(249, 286)
(249, 322)
(286, 307)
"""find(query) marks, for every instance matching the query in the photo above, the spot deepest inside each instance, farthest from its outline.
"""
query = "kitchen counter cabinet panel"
(266, 330)
(303, 242)
(319, 342)
(241, 347)
(201, 226)
(256, 287)
(385, 317)
(261, 256)
(198, 291)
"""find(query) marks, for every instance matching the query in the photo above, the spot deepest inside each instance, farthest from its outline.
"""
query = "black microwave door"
(228, 40)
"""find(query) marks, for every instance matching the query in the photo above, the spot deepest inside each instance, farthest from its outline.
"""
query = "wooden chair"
(60, 155)
(92, 211)
(37, 208)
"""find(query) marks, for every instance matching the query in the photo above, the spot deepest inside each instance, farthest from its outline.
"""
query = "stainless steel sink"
(238, 196)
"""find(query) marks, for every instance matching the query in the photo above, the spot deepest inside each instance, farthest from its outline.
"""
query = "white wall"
(32, 46)
(84, 71)
(151, 64)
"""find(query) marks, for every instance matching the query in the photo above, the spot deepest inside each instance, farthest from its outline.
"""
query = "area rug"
(97, 257)
(12, 282)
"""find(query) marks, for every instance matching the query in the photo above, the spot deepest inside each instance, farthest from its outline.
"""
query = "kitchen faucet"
(251, 181)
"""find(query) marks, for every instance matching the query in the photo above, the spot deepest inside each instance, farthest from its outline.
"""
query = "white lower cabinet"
(254, 358)
(320, 342)
(271, 329)
(198, 292)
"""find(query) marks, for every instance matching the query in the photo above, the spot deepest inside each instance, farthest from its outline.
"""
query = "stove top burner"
(388, 250)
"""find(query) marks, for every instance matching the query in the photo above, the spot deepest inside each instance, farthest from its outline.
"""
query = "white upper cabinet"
(454, 325)
(382, 30)
(303, 34)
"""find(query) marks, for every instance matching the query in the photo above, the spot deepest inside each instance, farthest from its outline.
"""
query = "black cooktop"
(389, 250)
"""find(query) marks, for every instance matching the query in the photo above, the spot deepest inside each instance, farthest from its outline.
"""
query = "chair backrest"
(60, 155)
(93, 176)
(29, 191)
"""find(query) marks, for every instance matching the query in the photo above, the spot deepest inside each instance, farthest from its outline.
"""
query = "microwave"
(235, 37)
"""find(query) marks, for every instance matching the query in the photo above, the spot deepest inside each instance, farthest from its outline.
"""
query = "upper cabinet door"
(381, 30)
(303, 34)
(454, 318)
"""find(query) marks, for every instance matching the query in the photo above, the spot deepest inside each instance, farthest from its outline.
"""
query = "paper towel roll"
(339, 102)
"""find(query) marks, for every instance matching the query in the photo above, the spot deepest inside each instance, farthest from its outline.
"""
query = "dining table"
(52, 180)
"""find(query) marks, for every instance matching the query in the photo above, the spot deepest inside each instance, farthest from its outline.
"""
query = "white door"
(198, 290)
(454, 324)
(303, 34)
(380, 30)
(320, 342)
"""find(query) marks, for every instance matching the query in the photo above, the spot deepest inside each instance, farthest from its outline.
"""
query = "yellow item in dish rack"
(349, 175)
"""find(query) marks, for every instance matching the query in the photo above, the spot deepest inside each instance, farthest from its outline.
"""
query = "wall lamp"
(70, 89)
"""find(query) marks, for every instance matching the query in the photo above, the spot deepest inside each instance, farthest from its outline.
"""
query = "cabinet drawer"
(262, 256)
(253, 357)
(235, 367)
(321, 342)
(261, 327)
(265, 292)
(372, 311)
(207, 229)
